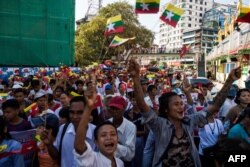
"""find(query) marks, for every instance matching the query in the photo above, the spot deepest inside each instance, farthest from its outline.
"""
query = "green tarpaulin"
(37, 32)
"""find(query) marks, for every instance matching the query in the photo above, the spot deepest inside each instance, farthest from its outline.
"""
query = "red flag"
(184, 50)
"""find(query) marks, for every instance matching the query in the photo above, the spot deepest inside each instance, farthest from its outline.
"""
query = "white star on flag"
(169, 16)
(144, 6)
(111, 27)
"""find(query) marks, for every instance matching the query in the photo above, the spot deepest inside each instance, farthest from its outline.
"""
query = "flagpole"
(105, 39)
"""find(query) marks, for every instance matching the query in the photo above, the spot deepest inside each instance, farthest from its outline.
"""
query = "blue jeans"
(149, 149)
(139, 146)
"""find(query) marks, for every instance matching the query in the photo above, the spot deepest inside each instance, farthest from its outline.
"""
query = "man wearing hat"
(41, 104)
(126, 130)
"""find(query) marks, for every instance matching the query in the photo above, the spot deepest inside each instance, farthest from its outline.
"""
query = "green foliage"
(90, 43)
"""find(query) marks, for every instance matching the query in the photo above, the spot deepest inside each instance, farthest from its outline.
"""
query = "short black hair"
(64, 113)
(79, 82)
(78, 99)
(12, 103)
(60, 88)
(52, 81)
(20, 90)
(35, 82)
(89, 82)
(65, 92)
(151, 87)
(237, 100)
(101, 125)
(50, 98)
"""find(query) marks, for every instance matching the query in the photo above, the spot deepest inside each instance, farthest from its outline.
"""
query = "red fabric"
(34, 111)
(244, 19)
(117, 30)
(98, 101)
(118, 102)
(183, 51)
(26, 148)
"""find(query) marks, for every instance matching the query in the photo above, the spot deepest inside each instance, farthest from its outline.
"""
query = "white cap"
(39, 94)
(17, 86)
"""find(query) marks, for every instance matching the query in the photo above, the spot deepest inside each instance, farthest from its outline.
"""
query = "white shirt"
(94, 159)
(67, 159)
(209, 134)
(57, 111)
(149, 102)
(126, 138)
(227, 105)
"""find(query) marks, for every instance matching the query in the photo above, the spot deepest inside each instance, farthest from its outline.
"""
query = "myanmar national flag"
(243, 13)
(147, 6)
(172, 15)
(114, 25)
(119, 41)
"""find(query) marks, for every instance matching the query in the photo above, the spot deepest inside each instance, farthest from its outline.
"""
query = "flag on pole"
(243, 13)
(172, 15)
(119, 41)
(114, 25)
(184, 50)
(147, 6)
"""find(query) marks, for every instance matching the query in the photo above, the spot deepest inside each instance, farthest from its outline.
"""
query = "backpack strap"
(61, 139)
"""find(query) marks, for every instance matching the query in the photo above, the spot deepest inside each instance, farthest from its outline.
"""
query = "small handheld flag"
(119, 41)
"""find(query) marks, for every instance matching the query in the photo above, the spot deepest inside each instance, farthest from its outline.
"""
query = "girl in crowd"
(172, 129)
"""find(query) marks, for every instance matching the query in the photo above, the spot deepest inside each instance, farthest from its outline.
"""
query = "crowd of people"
(121, 118)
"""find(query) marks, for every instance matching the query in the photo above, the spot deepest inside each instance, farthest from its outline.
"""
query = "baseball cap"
(118, 102)
(51, 120)
(39, 94)
(108, 87)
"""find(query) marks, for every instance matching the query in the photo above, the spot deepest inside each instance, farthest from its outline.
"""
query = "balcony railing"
(158, 51)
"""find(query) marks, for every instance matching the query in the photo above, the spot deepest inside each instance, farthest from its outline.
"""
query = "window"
(201, 8)
(190, 19)
(200, 14)
(189, 25)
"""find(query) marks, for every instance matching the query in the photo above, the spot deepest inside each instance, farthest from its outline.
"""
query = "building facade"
(171, 38)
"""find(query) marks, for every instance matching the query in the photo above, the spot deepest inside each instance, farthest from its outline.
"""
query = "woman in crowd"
(241, 130)
(9, 148)
(172, 129)
(242, 100)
